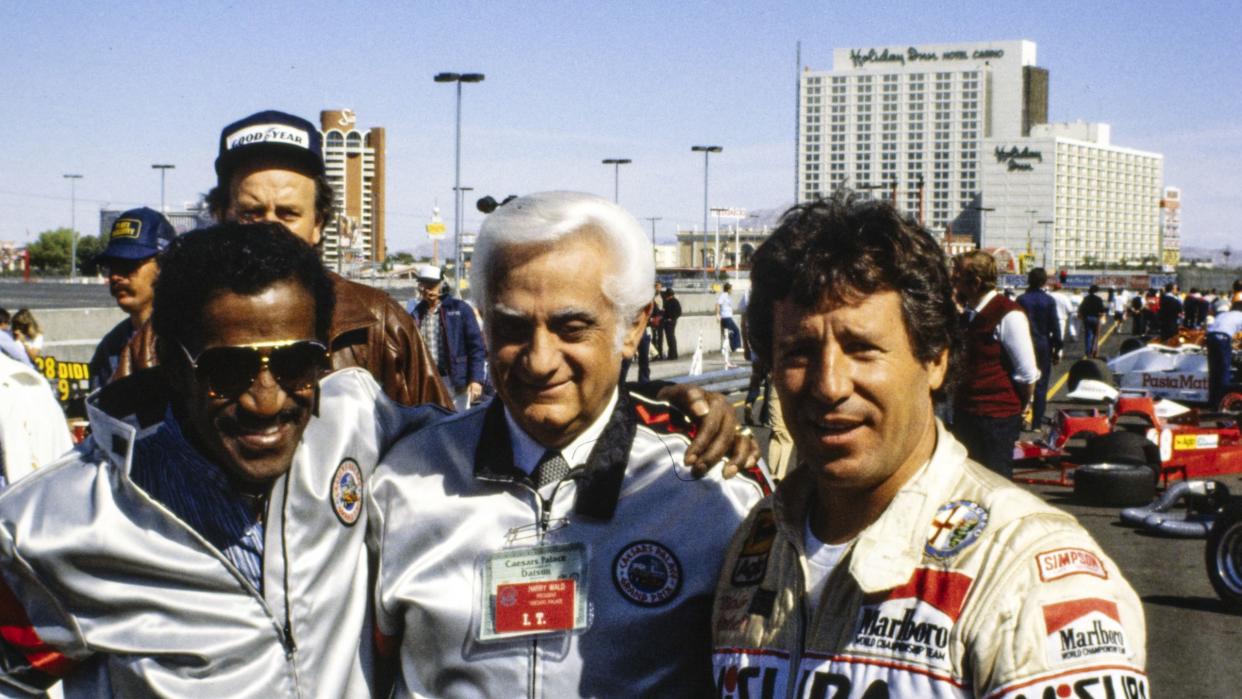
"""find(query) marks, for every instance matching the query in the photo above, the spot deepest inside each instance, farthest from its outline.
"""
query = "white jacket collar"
(892, 546)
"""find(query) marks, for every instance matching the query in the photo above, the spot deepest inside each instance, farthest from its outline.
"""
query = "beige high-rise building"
(354, 160)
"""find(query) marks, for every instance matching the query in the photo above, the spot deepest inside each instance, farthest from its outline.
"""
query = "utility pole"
(73, 225)
(653, 220)
(163, 168)
(616, 164)
(706, 151)
(1047, 223)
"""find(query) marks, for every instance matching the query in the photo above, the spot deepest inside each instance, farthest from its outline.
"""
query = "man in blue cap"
(129, 264)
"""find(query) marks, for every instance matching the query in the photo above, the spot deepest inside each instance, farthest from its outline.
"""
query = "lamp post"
(706, 151)
(983, 210)
(459, 194)
(163, 168)
(616, 164)
(1046, 223)
(73, 224)
(653, 220)
(718, 211)
(458, 78)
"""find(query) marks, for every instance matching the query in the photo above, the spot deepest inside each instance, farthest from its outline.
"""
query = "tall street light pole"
(653, 220)
(718, 210)
(706, 151)
(163, 168)
(983, 211)
(73, 225)
(1046, 223)
(460, 193)
(458, 78)
(616, 164)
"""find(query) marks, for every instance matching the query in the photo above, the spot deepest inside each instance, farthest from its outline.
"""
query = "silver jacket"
(965, 586)
(449, 496)
(124, 599)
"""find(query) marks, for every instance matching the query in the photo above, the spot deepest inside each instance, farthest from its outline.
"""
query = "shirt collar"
(200, 466)
(984, 301)
(887, 551)
(527, 452)
(598, 481)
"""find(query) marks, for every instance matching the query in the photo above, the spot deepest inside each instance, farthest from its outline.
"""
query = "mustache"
(247, 422)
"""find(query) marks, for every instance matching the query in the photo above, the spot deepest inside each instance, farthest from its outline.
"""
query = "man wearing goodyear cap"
(129, 264)
(270, 168)
(451, 333)
(889, 563)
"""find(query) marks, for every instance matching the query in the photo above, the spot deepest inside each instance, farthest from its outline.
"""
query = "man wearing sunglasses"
(209, 539)
(130, 266)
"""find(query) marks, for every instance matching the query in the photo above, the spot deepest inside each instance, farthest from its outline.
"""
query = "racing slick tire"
(1224, 556)
(1121, 447)
(1130, 344)
(1231, 402)
(1114, 485)
(1088, 368)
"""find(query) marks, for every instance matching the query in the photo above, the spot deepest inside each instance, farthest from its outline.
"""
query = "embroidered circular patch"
(347, 492)
(647, 573)
(956, 525)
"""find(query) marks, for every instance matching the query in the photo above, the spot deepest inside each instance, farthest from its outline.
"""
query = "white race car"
(1176, 373)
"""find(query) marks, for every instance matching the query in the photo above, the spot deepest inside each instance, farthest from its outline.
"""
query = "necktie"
(552, 468)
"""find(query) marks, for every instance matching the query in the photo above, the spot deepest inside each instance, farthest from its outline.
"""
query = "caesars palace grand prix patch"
(347, 492)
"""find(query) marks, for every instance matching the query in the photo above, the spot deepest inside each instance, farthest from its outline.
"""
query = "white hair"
(545, 218)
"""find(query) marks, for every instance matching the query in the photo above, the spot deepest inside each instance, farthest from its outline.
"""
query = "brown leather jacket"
(369, 330)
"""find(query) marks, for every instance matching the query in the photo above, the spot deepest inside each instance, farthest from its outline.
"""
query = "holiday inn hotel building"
(933, 128)
(1069, 197)
(905, 115)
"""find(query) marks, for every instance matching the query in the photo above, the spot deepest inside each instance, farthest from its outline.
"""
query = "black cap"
(270, 134)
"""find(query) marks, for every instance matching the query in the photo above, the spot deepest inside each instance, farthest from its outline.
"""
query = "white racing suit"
(449, 496)
(966, 586)
(105, 587)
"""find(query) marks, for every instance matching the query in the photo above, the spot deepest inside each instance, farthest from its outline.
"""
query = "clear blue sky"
(106, 89)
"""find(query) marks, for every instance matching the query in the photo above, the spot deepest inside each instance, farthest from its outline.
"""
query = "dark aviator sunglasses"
(229, 371)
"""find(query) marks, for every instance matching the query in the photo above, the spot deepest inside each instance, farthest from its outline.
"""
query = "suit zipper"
(291, 645)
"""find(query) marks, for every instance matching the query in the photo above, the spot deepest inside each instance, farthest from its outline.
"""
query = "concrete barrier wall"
(70, 334)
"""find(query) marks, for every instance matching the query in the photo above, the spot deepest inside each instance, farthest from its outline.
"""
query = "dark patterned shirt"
(198, 492)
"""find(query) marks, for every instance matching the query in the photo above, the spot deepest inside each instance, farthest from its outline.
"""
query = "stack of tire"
(1119, 469)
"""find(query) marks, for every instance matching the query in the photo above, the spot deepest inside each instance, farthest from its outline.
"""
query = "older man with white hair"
(553, 542)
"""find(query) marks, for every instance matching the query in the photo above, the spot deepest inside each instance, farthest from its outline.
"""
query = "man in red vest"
(999, 372)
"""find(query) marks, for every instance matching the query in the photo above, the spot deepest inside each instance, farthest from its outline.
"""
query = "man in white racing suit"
(553, 543)
(209, 539)
(890, 564)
